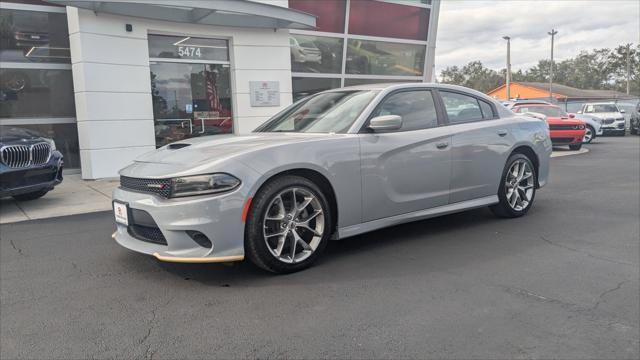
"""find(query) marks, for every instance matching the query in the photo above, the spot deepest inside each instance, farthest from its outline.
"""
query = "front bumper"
(218, 217)
(617, 127)
(567, 137)
(18, 181)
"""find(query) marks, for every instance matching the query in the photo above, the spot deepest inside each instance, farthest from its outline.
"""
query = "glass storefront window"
(65, 136)
(316, 54)
(374, 18)
(187, 47)
(353, 82)
(33, 36)
(36, 93)
(307, 86)
(190, 100)
(384, 58)
(330, 13)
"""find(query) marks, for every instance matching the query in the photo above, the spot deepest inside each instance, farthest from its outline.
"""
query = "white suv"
(612, 117)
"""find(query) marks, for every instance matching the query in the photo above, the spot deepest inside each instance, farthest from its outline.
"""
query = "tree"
(473, 75)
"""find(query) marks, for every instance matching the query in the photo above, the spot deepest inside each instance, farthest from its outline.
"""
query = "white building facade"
(128, 76)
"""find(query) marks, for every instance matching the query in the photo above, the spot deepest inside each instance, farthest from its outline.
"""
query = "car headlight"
(203, 184)
(52, 144)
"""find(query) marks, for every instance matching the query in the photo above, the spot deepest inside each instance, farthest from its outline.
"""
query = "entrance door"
(190, 100)
(190, 87)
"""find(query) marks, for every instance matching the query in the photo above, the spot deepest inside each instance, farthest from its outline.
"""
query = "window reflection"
(384, 58)
(315, 54)
(307, 86)
(187, 47)
(36, 93)
(33, 36)
(190, 100)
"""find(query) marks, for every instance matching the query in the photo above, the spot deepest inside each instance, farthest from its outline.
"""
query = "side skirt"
(415, 216)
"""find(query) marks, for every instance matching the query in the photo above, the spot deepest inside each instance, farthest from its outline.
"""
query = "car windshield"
(331, 112)
(545, 110)
(604, 108)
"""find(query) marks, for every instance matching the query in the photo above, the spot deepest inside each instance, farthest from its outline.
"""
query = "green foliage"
(601, 69)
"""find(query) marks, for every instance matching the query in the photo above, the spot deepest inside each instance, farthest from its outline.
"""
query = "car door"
(408, 169)
(480, 142)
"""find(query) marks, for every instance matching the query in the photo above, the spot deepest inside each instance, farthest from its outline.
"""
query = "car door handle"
(442, 145)
(502, 132)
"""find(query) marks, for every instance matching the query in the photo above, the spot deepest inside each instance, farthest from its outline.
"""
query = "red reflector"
(247, 205)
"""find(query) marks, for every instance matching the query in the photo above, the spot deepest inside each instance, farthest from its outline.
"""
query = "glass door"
(190, 88)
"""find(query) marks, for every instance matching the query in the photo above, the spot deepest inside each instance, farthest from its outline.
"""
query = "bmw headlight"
(203, 184)
(52, 144)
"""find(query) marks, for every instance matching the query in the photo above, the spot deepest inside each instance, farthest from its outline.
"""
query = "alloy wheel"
(519, 185)
(293, 225)
(588, 135)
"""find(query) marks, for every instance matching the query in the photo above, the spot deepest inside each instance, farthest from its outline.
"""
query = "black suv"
(30, 165)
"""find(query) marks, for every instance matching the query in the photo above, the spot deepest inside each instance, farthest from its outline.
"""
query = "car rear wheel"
(517, 188)
(288, 225)
(589, 135)
(31, 196)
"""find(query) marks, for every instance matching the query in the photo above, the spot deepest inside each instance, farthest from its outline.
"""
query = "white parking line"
(560, 153)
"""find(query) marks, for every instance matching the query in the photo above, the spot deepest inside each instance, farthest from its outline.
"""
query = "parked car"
(306, 52)
(612, 118)
(511, 103)
(631, 114)
(333, 165)
(30, 165)
(564, 129)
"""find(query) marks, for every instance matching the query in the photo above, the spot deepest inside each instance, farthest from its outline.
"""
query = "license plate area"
(121, 212)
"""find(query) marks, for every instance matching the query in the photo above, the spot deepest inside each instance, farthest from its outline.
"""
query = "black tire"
(31, 196)
(502, 208)
(575, 147)
(255, 245)
(634, 131)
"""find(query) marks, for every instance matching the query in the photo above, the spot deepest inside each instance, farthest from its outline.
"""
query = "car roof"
(536, 105)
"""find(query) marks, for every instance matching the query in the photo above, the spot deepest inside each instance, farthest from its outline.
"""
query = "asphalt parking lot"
(561, 282)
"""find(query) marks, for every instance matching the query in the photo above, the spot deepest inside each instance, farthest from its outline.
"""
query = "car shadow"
(382, 253)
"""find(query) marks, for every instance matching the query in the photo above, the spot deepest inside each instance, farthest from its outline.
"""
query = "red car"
(564, 128)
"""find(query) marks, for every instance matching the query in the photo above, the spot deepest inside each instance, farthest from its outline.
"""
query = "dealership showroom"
(180, 73)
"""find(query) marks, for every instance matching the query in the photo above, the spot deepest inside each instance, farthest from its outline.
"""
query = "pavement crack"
(607, 292)
(584, 252)
(17, 249)
(148, 353)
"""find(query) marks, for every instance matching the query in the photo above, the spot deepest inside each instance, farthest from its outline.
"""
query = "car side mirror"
(622, 111)
(385, 123)
(572, 116)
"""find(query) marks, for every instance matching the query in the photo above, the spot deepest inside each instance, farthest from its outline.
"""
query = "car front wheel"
(589, 135)
(288, 225)
(517, 187)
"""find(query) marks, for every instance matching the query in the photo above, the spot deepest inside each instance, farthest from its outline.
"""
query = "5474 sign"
(189, 51)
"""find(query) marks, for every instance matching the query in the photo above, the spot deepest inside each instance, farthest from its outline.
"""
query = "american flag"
(212, 91)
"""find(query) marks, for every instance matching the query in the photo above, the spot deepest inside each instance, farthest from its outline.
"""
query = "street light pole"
(553, 33)
(508, 81)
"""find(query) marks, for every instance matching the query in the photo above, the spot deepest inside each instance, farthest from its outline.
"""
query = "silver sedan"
(333, 165)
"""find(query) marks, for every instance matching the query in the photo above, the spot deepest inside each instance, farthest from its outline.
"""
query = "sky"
(471, 30)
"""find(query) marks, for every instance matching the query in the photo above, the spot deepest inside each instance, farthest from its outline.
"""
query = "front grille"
(561, 140)
(563, 127)
(161, 187)
(607, 121)
(20, 156)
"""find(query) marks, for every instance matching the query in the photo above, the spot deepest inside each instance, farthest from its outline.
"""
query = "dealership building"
(109, 80)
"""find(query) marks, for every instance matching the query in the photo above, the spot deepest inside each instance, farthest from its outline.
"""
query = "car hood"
(221, 147)
(563, 120)
(19, 135)
(608, 115)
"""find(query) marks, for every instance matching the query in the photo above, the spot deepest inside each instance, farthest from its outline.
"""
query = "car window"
(487, 110)
(589, 109)
(461, 108)
(604, 108)
(417, 109)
